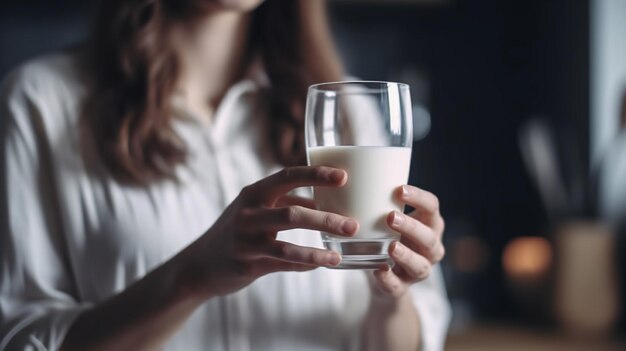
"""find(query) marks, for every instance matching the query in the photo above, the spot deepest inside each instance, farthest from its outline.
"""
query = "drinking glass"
(364, 128)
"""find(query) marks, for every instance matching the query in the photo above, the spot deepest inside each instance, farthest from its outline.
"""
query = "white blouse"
(71, 238)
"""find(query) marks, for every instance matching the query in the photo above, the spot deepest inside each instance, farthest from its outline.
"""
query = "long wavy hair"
(129, 118)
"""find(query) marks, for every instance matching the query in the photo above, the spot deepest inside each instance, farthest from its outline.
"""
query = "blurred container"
(586, 291)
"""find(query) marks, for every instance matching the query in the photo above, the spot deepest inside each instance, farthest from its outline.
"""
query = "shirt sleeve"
(37, 295)
(431, 301)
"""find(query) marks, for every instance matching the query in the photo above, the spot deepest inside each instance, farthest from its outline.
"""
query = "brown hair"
(129, 114)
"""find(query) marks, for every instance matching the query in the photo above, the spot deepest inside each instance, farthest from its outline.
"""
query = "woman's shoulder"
(46, 79)
(47, 89)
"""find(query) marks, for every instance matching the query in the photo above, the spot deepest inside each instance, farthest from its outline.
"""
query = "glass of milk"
(364, 128)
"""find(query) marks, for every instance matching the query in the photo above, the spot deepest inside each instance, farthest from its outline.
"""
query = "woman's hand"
(241, 246)
(419, 248)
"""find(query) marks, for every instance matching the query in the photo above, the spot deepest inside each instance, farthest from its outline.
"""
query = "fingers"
(424, 232)
(409, 268)
(291, 217)
(268, 190)
(413, 266)
(389, 283)
(292, 200)
(417, 235)
(419, 198)
(288, 252)
(271, 265)
(426, 204)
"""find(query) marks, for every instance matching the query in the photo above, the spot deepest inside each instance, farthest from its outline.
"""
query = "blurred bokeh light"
(527, 257)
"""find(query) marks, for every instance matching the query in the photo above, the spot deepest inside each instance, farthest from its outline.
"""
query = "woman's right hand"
(241, 246)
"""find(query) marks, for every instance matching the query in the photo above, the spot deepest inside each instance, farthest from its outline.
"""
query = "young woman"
(142, 194)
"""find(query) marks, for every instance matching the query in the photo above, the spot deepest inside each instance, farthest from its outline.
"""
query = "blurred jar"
(586, 291)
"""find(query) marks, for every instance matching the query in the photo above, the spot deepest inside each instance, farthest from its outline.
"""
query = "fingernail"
(337, 176)
(349, 226)
(397, 249)
(398, 219)
(405, 191)
(334, 259)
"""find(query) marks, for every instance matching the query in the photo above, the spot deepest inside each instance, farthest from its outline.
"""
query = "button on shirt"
(72, 237)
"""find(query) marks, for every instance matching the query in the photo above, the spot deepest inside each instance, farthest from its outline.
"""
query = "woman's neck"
(212, 55)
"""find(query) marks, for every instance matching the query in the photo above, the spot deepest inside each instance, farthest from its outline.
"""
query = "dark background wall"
(484, 68)
(32, 27)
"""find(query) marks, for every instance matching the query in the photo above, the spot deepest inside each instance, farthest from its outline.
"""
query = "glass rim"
(326, 87)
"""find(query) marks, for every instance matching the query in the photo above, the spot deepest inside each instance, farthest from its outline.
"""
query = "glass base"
(360, 253)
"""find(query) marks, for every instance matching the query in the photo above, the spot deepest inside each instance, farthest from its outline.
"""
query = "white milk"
(374, 173)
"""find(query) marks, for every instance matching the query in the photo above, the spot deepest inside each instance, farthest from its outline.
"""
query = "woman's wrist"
(188, 277)
(381, 301)
(391, 323)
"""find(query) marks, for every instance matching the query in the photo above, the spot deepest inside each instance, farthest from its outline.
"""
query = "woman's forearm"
(142, 317)
(391, 325)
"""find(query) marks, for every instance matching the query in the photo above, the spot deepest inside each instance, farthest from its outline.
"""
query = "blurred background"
(520, 109)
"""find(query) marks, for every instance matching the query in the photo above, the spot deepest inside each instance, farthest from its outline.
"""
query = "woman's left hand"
(419, 247)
